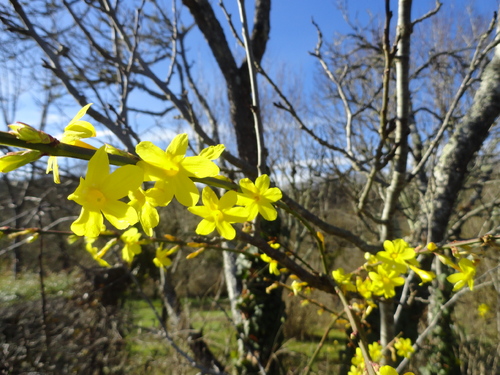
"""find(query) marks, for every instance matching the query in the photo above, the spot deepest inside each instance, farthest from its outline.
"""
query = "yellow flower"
(465, 276)
(426, 276)
(388, 370)
(384, 281)
(404, 347)
(375, 351)
(396, 254)
(162, 259)
(273, 264)
(14, 160)
(355, 371)
(257, 198)
(358, 359)
(297, 286)
(99, 193)
(146, 211)
(218, 214)
(172, 169)
(483, 310)
(96, 253)
(73, 132)
(344, 280)
(364, 287)
(132, 245)
(371, 259)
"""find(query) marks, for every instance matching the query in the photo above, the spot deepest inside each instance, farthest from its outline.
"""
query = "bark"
(256, 313)
(236, 77)
(398, 177)
(450, 174)
(467, 139)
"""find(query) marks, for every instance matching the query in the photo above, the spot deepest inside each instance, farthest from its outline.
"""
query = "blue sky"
(293, 36)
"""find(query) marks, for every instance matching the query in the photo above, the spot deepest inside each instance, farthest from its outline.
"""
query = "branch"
(476, 59)
(259, 131)
(428, 14)
(56, 67)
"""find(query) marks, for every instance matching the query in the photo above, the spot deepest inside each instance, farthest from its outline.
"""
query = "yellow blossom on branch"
(483, 309)
(384, 281)
(218, 214)
(273, 264)
(132, 247)
(396, 254)
(375, 351)
(388, 370)
(465, 276)
(404, 347)
(96, 253)
(297, 286)
(257, 198)
(363, 287)
(99, 193)
(73, 132)
(343, 279)
(173, 169)
(426, 276)
(162, 259)
(355, 370)
(146, 211)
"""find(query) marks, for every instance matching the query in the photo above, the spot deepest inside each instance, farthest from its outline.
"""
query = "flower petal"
(274, 194)
(151, 154)
(80, 113)
(248, 187)
(228, 200)
(54, 167)
(80, 194)
(267, 211)
(209, 198)
(202, 211)
(161, 194)
(212, 152)
(185, 190)
(98, 168)
(226, 230)
(88, 224)
(118, 184)
(120, 214)
(236, 214)
(178, 146)
(78, 130)
(205, 227)
(149, 218)
(199, 166)
(262, 182)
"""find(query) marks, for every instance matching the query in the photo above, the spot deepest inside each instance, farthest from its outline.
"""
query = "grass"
(146, 344)
(146, 347)
(28, 286)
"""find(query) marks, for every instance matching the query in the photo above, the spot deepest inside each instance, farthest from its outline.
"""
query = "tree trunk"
(450, 174)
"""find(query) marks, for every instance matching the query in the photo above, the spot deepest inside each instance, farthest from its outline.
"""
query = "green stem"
(63, 149)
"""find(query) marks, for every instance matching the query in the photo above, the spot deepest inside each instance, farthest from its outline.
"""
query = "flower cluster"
(382, 272)
(101, 192)
(156, 177)
(375, 351)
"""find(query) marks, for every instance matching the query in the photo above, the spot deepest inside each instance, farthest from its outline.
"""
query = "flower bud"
(29, 134)
(14, 160)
